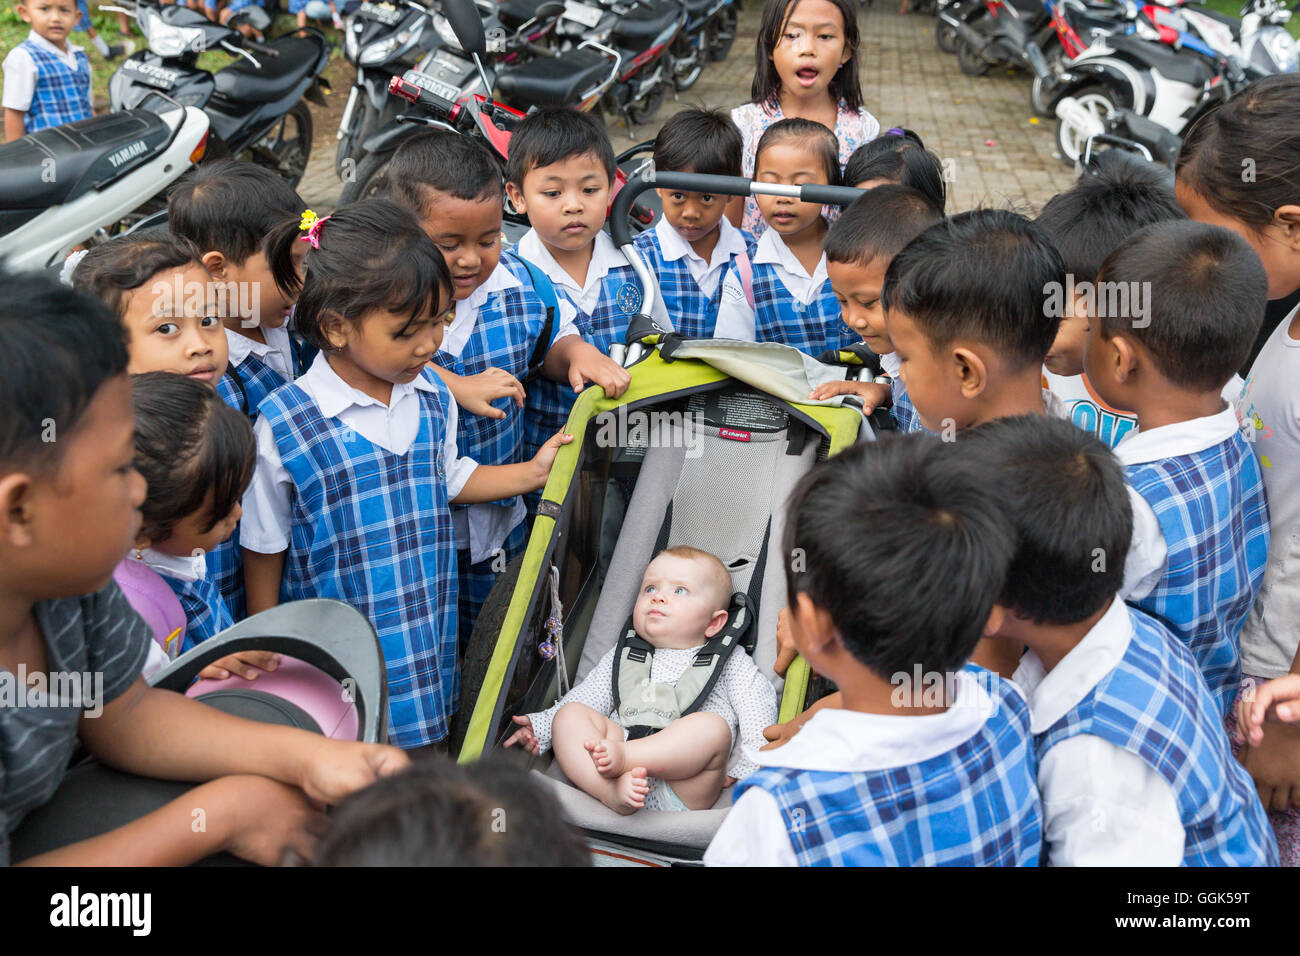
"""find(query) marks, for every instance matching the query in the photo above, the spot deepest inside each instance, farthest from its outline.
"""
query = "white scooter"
(61, 186)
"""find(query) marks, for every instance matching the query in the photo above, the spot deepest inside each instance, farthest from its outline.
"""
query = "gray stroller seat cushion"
(721, 499)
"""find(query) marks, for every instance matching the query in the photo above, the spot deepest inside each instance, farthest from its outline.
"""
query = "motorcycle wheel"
(946, 37)
(1098, 100)
(640, 115)
(688, 62)
(972, 63)
(350, 146)
(723, 34)
(284, 154)
(371, 179)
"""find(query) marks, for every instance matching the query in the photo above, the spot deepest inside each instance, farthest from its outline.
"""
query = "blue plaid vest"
(206, 614)
(691, 312)
(1213, 514)
(903, 411)
(1155, 706)
(62, 94)
(549, 403)
(372, 529)
(976, 805)
(779, 317)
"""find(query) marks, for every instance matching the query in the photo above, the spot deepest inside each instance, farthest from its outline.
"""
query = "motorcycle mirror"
(547, 10)
(466, 23)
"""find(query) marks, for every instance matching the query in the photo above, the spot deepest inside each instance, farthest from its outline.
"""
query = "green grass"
(1233, 9)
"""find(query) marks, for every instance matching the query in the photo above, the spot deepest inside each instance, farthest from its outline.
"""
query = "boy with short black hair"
(693, 243)
(69, 511)
(1085, 223)
(502, 333)
(560, 173)
(1134, 767)
(1195, 298)
(870, 232)
(895, 777)
(47, 79)
(964, 310)
(226, 209)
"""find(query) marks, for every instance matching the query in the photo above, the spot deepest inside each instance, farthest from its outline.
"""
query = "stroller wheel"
(478, 654)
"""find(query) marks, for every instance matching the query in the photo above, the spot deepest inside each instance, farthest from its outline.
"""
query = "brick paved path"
(906, 81)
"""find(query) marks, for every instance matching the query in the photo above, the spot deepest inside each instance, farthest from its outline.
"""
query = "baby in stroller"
(635, 734)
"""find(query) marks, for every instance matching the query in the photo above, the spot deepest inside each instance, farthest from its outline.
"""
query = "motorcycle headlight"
(445, 32)
(1281, 47)
(379, 52)
(350, 41)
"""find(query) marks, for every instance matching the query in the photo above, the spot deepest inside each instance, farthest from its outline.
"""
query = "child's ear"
(811, 627)
(971, 372)
(335, 330)
(1124, 356)
(1288, 219)
(517, 198)
(716, 623)
(215, 263)
(997, 617)
(15, 509)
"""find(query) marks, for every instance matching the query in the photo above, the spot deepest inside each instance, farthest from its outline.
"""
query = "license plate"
(582, 13)
(149, 75)
(384, 13)
(430, 85)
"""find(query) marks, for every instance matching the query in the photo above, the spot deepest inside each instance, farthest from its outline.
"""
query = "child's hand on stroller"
(1273, 700)
(524, 736)
(786, 652)
(334, 768)
(589, 365)
(873, 394)
(545, 456)
(476, 393)
(245, 664)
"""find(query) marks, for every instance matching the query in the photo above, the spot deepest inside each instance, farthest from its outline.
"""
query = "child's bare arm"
(262, 576)
(494, 482)
(15, 124)
(251, 817)
(476, 393)
(160, 734)
(873, 394)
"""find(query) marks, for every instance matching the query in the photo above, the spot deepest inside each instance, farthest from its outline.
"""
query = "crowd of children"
(1084, 523)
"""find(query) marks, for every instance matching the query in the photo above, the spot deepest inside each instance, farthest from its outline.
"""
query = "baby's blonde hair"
(720, 577)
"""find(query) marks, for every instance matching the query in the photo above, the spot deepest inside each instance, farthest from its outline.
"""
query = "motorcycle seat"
(58, 164)
(643, 23)
(514, 13)
(1181, 67)
(552, 81)
(697, 8)
(242, 82)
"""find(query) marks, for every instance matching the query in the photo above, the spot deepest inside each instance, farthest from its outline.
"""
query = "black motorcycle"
(256, 106)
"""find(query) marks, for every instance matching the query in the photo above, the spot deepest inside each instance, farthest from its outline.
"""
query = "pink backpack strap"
(745, 269)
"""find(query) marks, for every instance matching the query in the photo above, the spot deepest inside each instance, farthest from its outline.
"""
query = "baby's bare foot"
(609, 756)
(629, 792)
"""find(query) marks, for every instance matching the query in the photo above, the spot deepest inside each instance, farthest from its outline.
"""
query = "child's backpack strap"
(545, 290)
(645, 707)
(745, 269)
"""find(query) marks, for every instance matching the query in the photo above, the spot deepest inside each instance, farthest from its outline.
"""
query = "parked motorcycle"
(64, 185)
(707, 37)
(1004, 31)
(256, 106)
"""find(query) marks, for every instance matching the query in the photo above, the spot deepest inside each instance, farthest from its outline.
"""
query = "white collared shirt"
(394, 427)
(484, 526)
(176, 566)
(1102, 806)
(21, 73)
(276, 352)
(604, 256)
(736, 315)
(707, 275)
(842, 741)
(1148, 552)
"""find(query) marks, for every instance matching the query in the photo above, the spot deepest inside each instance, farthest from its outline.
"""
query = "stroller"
(702, 450)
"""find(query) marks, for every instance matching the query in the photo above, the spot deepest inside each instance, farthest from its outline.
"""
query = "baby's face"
(679, 604)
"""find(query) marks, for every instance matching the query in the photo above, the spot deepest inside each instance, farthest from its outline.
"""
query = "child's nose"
(196, 343)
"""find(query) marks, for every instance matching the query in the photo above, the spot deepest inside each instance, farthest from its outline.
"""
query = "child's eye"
(208, 321)
(167, 328)
(680, 591)
(551, 193)
(591, 190)
(677, 197)
(649, 589)
(706, 198)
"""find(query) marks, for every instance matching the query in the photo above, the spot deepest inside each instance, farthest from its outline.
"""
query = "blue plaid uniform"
(1155, 706)
(206, 614)
(549, 403)
(691, 312)
(1213, 514)
(974, 805)
(244, 387)
(62, 95)
(903, 411)
(779, 317)
(373, 529)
